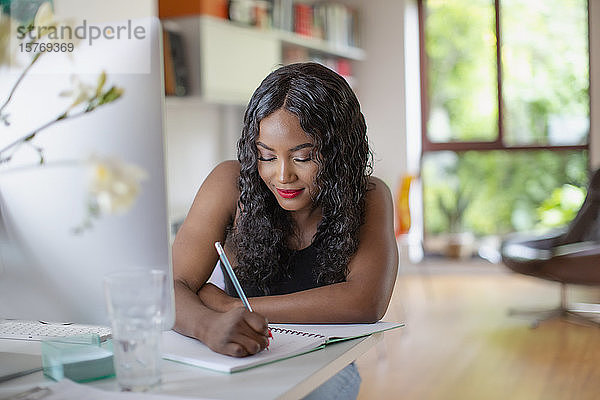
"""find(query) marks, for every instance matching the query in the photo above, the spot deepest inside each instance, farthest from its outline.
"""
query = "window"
(505, 110)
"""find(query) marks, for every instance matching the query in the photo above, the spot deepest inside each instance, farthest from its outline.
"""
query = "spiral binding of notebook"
(297, 333)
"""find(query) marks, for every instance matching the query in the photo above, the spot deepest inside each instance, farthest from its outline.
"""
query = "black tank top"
(301, 276)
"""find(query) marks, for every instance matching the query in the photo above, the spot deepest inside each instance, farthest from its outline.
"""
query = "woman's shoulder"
(378, 195)
(220, 188)
(378, 188)
(225, 176)
(227, 169)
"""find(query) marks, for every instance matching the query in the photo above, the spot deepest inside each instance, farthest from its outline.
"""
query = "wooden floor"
(459, 342)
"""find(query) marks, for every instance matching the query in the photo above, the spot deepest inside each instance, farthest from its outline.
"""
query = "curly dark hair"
(330, 114)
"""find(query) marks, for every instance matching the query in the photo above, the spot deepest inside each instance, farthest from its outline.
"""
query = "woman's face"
(284, 160)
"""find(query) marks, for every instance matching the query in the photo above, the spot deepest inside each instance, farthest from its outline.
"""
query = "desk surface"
(287, 379)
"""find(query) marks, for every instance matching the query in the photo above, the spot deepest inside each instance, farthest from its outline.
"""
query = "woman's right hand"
(237, 333)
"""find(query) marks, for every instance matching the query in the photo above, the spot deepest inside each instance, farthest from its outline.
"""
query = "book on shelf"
(175, 69)
(283, 15)
(334, 22)
(341, 24)
(303, 19)
(289, 340)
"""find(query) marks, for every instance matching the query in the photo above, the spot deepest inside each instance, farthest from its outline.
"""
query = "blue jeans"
(342, 386)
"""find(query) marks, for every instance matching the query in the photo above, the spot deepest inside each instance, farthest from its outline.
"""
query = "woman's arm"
(365, 294)
(236, 332)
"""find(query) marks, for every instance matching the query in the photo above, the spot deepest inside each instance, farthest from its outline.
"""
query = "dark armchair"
(568, 257)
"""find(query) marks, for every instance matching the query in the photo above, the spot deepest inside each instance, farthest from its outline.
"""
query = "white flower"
(80, 92)
(44, 19)
(114, 185)
(46, 26)
(12, 34)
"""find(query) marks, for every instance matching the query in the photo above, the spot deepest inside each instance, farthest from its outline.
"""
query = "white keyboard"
(39, 330)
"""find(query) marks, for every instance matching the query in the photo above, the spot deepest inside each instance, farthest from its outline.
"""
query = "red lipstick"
(289, 194)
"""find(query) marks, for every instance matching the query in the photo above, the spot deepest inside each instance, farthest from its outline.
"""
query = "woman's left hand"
(216, 299)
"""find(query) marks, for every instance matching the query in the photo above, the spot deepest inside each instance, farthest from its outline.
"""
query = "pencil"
(234, 280)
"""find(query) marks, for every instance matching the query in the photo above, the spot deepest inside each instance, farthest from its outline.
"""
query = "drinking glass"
(136, 302)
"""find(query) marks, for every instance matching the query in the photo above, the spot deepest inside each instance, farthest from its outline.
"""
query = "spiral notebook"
(288, 341)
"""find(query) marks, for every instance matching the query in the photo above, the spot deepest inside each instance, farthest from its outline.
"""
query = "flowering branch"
(97, 99)
(14, 88)
(27, 139)
(93, 96)
(44, 17)
(114, 185)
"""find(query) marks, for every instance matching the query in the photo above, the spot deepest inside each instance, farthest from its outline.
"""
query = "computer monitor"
(46, 271)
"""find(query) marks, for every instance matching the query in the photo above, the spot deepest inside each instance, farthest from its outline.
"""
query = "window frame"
(498, 144)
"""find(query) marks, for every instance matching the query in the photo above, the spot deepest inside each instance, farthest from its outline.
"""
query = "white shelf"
(321, 46)
(291, 38)
(227, 60)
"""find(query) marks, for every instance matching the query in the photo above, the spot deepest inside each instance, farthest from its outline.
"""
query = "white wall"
(200, 135)
(381, 86)
(192, 150)
(389, 92)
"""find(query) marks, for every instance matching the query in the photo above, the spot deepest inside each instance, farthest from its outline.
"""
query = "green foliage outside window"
(544, 62)
(504, 191)
(545, 71)
(562, 206)
(545, 66)
(460, 45)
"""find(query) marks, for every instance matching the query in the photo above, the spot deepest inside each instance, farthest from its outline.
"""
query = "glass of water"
(136, 302)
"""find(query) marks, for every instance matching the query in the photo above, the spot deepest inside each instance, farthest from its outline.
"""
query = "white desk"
(288, 379)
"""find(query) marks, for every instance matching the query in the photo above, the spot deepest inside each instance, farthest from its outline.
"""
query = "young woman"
(308, 230)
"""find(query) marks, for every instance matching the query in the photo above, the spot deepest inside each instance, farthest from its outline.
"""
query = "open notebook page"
(187, 350)
(288, 340)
